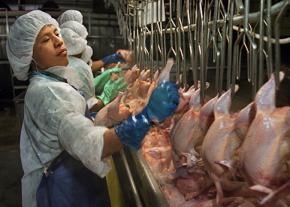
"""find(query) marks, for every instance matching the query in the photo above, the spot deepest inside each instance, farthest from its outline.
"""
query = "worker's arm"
(91, 144)
(87, 142)
(97, 106)
(112, 143)
(97, 65)
(114, 58)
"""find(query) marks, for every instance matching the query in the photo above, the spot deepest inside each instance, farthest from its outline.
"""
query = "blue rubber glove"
(114, 58)
(162, 103)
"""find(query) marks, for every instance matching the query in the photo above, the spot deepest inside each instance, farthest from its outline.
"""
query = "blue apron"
(67, 182)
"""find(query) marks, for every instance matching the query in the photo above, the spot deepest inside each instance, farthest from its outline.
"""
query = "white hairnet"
(70, 15)
(87, 54)
(21, 39)
(74, 35)
(77, 27)
(74, 43)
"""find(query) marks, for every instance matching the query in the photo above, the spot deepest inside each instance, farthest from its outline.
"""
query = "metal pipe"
(223, 52)
(183, 55)
(156, 36)
(127, 20)
(216, 51)
(261, 44)
(208, 36)
(196, 45)
(203, 61)
(214, 28)
(277, 36)
(190, 39)
(180, 56)
(159, 26)
(239, 6)
(237, 20)
(142, 57)
(230, 44)
(151, 40)
(253, 49)
(269, 45)
(137, 34)
(236, 57)
(136, 196)
(171, 25)
(134, 43)
(267, 39)
(177, 42)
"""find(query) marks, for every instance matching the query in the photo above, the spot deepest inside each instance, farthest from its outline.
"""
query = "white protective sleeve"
(84, 141)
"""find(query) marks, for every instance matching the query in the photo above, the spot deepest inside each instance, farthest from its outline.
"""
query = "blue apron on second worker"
(67, 182)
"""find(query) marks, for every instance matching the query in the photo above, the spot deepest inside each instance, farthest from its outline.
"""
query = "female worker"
(58, 143)
(119, 56)
(74, 35)
(79, 53)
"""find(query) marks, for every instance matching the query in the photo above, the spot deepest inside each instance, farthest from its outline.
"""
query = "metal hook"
(261, 44)
(190, 38)
(223, 48)
(171, 25)
(269, 35)
(230, 43)
(253, 49)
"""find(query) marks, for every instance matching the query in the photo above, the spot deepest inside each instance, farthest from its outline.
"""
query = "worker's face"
(49, 49)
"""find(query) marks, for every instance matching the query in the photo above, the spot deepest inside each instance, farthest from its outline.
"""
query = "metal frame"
(207, 31)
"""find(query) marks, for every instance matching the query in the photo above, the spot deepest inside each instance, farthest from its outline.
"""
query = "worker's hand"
(114, 58)
(103, 78)
(162, 103)
(111, 90)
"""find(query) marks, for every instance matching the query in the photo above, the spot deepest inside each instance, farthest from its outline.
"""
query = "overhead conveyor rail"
(190, 30)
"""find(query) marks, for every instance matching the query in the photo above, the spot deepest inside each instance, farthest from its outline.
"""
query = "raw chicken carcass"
(182, 135)
(187, 135)
(140, 91)
(186, 96)
(165, 73)
(193, 183)
(157, 151)
(223, 139)
(264, 155)
(183, 107)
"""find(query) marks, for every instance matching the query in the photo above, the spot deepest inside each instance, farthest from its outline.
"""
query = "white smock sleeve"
(84, 141)
(62, 112)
